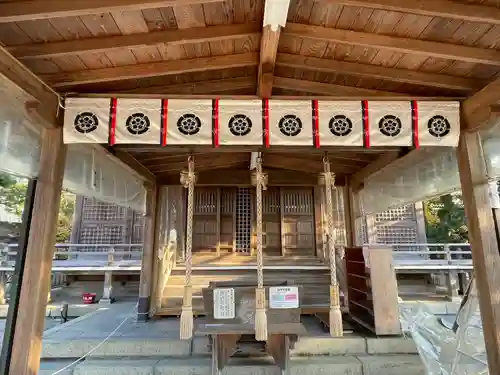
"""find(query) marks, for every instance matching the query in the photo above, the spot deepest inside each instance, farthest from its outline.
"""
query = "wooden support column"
(350, 227)
(483, 240)
(217, 219)
(318, 222)
(148, 252)
(282, 223)
(40, 248)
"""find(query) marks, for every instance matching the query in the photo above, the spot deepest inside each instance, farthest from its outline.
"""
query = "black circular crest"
(138, 123)
(86, 122)
(340, 125)
(240, 125)
(438, 126)
(189, 124)
(390, 125)
(290, 125)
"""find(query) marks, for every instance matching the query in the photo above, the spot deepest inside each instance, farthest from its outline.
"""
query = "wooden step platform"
(307, 271)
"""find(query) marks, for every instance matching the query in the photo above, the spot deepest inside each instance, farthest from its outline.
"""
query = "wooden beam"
(233, 177)
(433, 8)
(197, 88)
(268, 51)
(483, 240)
(380, 72)
(329, 89)
(163, 68)
(440, 50)
(135, 165)
(148, 253)
(381, 162)
(27, 346)
(113, 43)
(479, 109)
(42, 9)
(45, 101)
(275, 15)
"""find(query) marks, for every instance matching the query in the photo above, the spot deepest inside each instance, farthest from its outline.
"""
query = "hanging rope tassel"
(188, 179)
(259, 179)
(336, 329)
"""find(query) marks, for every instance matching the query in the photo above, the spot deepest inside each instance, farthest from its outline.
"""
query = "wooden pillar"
(148, 252)
(349, 216)
(318, 222)
(107, 292)
(27, 345)
(483, 240)
(282, 223)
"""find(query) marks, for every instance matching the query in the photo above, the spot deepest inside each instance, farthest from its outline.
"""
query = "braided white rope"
(260, 182)
(188, 180)
(329, 183)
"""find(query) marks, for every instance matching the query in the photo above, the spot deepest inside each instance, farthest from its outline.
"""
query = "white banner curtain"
(92, 172)
(19, 142)
(410, 180)
(491, 150)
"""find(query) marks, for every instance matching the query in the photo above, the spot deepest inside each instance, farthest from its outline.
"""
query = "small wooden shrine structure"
(343, 107)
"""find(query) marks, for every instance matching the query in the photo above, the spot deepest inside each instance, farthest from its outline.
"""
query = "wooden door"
(227, 219)
(271, 225)
(205, 219)
(298, 221)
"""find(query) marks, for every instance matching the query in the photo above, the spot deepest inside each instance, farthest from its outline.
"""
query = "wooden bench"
(230, 308)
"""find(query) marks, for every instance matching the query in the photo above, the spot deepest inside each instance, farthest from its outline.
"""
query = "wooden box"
(373, 289)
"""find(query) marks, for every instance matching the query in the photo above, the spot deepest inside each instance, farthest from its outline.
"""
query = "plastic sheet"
(95, 174)
(19, 143)
(433, 173)
(447, 347)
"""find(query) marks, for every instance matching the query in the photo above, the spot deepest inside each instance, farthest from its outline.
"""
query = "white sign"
(494, 196)
(224, 303)
(284, 297)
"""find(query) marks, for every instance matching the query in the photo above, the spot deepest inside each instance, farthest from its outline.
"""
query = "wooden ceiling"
(166, 163)
(328, 47)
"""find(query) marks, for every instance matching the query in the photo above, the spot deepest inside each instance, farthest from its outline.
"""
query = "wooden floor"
(308, 271)
(206, 259)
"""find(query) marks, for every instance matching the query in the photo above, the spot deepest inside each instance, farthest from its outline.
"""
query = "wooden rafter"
(269, 46)
(432, 8)
(328, 88)
(481, 109)
(43, 9)
(163, 68)
(268, 52)
(112, 43)
(380, 72)
(398, 44)
(197, 88)
(45, 101)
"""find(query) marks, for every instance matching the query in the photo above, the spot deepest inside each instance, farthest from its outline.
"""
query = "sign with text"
(224, 303)
(284, 297)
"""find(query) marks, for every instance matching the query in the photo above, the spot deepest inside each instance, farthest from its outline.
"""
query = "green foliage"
(13, 195)
(6, 180)
(445, 219)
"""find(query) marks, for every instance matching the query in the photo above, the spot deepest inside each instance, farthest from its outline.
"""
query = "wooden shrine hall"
(253, 136)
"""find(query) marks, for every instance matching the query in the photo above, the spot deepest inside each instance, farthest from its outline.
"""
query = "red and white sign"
(284, 297)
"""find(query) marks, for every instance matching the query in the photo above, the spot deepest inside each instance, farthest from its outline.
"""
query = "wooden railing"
(83, 257)
(430, 257)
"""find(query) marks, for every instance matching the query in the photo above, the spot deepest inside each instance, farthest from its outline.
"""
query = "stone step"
(337, 365)
(171, 347)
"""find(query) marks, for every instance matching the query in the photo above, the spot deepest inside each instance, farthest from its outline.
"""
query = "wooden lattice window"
(94, 210)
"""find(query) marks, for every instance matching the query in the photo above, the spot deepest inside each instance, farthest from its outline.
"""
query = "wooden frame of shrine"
(268, 105)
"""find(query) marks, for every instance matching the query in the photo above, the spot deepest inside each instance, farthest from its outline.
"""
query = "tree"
(12, 197)
(445, 219)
